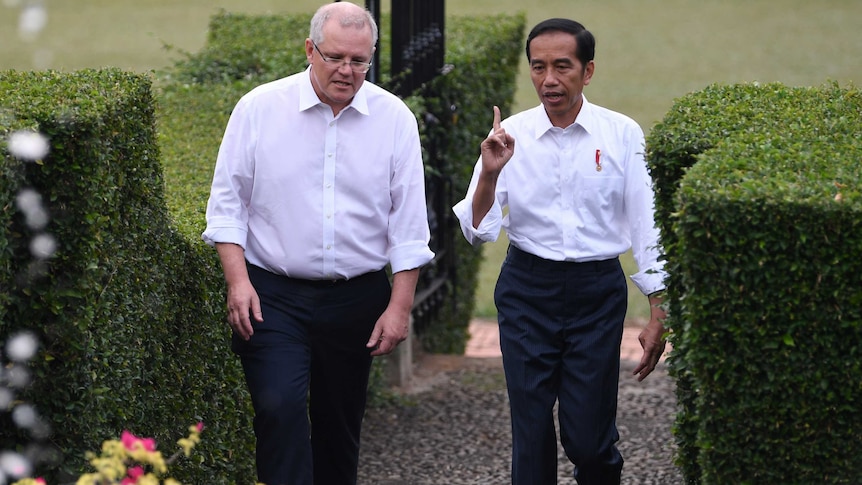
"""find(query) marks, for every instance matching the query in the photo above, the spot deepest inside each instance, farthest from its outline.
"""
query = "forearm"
(657, 311)
(232, 259)
(483, 198)
(404, 290)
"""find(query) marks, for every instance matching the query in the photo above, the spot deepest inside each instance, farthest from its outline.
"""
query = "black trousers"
(561, 326)
(307, 368)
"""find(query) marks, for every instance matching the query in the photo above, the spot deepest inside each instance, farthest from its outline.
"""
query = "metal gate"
(418, 53)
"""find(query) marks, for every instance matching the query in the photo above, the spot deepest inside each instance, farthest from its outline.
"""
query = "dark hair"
(585, 48)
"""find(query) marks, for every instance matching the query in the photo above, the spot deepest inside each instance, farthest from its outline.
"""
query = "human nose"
(344, 63)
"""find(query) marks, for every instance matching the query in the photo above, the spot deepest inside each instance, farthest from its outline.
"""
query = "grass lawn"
(648, 53)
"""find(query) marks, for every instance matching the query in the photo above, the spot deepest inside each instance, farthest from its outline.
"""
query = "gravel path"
(453, 428)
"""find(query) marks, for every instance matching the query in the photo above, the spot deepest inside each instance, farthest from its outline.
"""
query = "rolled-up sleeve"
(492, 223)
(639, 203)
(227, 208)
(409, 233)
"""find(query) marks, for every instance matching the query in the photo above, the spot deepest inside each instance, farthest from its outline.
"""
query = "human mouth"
(553, 97)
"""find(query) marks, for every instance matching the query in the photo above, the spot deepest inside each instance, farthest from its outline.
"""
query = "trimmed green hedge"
(761, 211)
(128, 311)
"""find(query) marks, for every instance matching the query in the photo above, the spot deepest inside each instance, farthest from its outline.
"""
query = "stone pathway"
(452, 425)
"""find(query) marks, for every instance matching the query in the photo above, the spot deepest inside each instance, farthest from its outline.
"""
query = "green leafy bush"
(128, 311)
(761, 215)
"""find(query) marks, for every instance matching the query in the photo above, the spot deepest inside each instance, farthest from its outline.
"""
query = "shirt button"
(329, 246)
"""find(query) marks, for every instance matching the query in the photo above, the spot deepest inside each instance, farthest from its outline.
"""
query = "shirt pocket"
(597, 198)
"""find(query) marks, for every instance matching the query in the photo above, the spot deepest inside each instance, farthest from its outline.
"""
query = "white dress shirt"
(315, 196)
(560, 207)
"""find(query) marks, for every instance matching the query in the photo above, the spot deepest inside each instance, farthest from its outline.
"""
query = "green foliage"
(761, 216)
(126, 312)
(241, 46)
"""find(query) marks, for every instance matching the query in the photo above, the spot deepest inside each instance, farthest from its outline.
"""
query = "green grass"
(648, 53)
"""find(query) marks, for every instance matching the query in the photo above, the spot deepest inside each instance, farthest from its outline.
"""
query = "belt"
(526, 260)
(316, 283)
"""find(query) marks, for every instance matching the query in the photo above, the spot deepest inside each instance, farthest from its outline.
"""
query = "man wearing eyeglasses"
(318, 186)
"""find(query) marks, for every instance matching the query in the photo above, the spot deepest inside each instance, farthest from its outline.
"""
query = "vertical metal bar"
(373, 6)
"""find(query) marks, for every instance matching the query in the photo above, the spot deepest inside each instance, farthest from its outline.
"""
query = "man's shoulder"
(608, 115)
(279, 85)
(377, 93)
(382, 98)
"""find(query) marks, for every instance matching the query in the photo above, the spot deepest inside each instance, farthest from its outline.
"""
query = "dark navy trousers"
(307, 368)
(561, 326)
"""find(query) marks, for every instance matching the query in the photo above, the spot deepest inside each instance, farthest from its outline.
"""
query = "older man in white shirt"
(318, 186)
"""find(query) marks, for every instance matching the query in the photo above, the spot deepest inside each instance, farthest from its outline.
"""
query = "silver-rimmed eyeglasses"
(355, 66)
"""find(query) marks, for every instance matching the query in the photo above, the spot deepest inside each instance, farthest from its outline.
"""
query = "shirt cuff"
(650, 281)
(489, 228)
(409, 256)
(234, 235)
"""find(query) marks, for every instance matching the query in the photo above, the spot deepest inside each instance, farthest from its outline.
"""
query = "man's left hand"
(389, 331)
(652, 340)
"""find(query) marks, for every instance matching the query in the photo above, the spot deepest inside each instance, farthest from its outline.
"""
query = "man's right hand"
(243, 304)
(498, 148)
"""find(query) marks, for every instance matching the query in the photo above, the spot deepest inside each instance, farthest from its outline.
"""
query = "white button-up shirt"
(316, 196)
(561, 206)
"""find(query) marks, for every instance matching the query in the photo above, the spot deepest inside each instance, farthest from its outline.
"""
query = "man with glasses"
(318, 186)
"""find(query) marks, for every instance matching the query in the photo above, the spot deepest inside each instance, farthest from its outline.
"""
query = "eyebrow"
(560, 60)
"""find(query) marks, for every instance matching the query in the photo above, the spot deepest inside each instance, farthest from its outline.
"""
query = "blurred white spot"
(28, 145)
(24, 416)
(15, 465)
(30, 204)
(18, 376)
(33, 19)
(21, 347)
(6, 397)
(43, 246)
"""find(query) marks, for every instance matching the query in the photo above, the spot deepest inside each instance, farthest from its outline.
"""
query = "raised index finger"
(496, 118)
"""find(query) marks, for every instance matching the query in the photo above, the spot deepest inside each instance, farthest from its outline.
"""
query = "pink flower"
(40, 481)
(131, 442)
(200, 426)
(133, 475)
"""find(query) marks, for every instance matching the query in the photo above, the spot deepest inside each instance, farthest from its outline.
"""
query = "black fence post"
(418, 56)
(418, 42)
(373, 75)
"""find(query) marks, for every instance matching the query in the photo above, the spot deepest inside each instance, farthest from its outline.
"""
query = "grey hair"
(348, 17)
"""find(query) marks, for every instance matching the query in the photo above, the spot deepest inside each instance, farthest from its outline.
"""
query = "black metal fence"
(418, 42)
(418, 53)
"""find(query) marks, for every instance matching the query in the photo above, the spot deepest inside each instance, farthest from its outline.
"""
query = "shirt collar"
(308, 98)
(585, 119)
